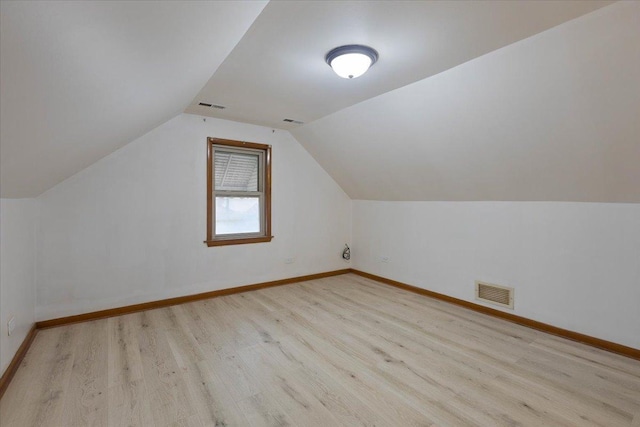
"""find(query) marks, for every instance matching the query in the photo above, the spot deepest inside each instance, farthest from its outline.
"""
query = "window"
(238, 192)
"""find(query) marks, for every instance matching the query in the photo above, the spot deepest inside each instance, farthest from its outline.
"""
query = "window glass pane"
(236, 171)
(237, 215)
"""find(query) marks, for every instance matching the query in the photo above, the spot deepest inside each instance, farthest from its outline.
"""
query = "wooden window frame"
(212, 240)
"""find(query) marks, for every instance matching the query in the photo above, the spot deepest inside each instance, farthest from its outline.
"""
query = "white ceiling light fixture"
(352, 60)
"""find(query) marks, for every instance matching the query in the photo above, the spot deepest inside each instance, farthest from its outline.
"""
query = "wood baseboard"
(17, 360)
(24, 347)
(623, 350)
(575, 336)
(44, 324)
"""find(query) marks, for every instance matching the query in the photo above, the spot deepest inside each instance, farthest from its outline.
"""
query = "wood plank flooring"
(340, 351)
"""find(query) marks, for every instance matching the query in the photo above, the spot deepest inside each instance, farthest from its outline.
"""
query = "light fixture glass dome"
(351, 61)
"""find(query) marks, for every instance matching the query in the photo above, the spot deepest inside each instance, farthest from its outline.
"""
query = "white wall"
(17, 273)
(130, 228)
(573, 265)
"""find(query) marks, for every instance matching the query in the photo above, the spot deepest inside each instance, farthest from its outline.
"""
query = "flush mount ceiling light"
(352, 60)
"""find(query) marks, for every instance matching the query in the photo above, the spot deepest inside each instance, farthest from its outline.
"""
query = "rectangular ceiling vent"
(295, 122)
(494, 294)
(219, 107)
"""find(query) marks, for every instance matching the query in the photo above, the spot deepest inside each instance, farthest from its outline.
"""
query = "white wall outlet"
(290, 260)
(11, 325)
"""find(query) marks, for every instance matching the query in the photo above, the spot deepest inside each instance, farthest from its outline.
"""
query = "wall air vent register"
(494, 294)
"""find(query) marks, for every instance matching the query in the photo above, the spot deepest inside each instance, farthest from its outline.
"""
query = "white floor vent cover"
(494, 294)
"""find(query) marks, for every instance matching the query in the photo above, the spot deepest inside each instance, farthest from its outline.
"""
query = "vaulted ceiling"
(488, 100)
(278, 71)
(555, 117)
(78, 80)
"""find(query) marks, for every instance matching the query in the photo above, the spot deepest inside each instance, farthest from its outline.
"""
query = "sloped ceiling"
(80, 79)
(278, 70)
(554, 117)
(548, 117)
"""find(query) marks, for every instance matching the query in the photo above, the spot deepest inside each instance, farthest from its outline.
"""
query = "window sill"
(225, 242)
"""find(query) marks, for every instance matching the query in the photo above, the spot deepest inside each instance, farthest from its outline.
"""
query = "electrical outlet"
(11, 325)
(290, 260)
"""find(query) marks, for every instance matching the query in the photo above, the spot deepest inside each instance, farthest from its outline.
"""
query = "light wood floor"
(337, 351)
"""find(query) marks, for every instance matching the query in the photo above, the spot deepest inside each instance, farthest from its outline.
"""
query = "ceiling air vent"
(218, 107)
(494, 294)
(295, 122)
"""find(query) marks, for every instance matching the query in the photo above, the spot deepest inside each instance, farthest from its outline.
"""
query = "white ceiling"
(466, 102)
(78, 80)
(555, 117)
(277, 70)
